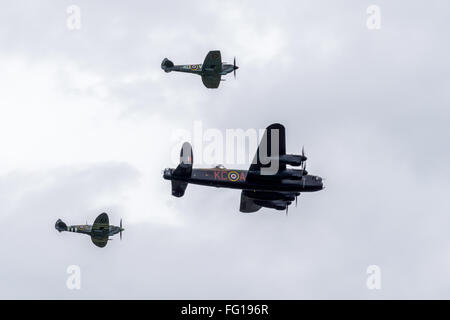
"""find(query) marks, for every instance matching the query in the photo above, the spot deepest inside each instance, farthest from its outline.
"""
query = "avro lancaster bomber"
(268, 182)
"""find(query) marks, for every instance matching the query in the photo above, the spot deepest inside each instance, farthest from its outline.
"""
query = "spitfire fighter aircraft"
(211, 70)
(100, 231)
(268, 182)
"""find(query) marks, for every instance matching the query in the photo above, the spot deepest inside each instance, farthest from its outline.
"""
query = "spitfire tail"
(167, 65)
(60, 225)
(183, 171)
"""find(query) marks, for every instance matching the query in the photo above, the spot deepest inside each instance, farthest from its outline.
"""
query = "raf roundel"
(233, 176)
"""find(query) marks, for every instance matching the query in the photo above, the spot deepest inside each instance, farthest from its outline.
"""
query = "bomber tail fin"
(167, 65)
(183, 171)
(178, 188)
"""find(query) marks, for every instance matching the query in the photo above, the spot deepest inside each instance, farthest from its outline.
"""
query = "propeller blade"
(287, 210)
(120, 228)
(304, 161)
(234, 67)
(304, 158)
(296, 201)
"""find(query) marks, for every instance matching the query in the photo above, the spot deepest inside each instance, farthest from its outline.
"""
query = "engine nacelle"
(293, 174)
(292, 159)
(276, 204)
(270, 196)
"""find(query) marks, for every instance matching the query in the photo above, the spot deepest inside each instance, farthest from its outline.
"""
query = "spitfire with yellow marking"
(267, 183)
(100, 231)
(211, 70)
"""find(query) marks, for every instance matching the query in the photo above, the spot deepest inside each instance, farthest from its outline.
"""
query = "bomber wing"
(247, 204)
(271, 147)
(252, 201)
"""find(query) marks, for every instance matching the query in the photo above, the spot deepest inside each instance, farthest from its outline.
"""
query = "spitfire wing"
(211, 82)
(213, 62)
(100, 230)
(99, 242)
(271, 146)
(101, 223)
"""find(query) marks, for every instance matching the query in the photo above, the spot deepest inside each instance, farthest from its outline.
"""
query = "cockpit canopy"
(220, 166)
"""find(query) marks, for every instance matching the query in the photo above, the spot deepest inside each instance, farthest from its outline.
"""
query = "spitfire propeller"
(121, 229)
(235, 67)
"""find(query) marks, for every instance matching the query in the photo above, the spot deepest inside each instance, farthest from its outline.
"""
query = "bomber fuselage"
(289, 180)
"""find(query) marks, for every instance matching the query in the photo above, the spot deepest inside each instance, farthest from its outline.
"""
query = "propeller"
(304, 160)
(287, 210)
(121, 229)
(296, 201)
(234, 67)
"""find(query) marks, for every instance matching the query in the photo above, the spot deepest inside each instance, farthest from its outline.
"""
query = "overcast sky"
(86, 124)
